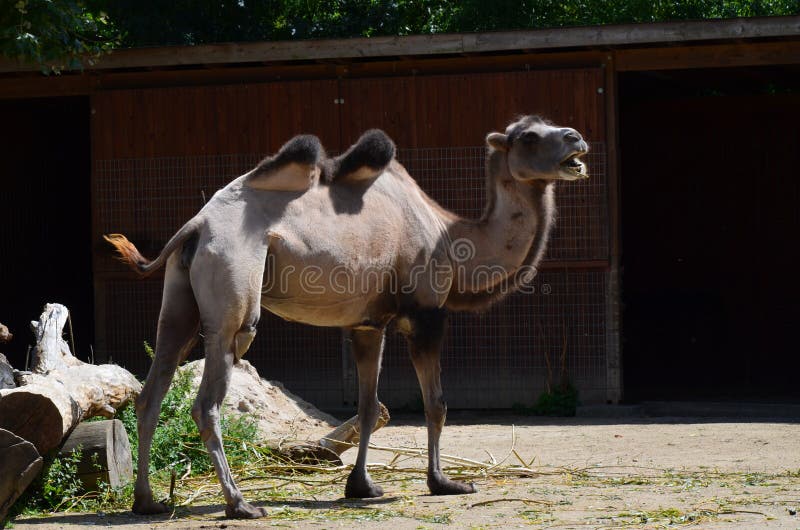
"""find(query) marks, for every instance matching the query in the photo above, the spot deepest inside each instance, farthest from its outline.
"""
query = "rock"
(5, 334)
(278, 413)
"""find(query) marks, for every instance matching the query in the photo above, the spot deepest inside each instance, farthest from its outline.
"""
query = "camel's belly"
(319, 312)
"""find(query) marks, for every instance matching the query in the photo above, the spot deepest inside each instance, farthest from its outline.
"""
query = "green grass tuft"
(563, 401)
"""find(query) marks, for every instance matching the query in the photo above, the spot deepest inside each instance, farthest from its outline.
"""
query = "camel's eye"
(529, 137)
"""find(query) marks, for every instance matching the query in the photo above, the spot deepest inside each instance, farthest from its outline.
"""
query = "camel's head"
(538, 150)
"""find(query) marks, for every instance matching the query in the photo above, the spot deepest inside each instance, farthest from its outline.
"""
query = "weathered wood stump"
(61, 391)
(105, 453)
(20, 463)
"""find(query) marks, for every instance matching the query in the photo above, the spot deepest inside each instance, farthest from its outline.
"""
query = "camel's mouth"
(573, 168)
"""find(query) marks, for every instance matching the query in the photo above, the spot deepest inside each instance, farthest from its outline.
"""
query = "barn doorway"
(45, 216)
(710, 223)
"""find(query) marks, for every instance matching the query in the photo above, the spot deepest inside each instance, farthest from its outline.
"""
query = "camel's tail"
(129, 254)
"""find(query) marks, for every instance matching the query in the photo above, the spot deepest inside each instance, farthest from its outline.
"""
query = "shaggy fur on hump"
(304, 149)
(365, 159)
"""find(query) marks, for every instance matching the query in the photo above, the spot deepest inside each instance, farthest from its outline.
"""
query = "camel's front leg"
(367, 347)
(425, 342)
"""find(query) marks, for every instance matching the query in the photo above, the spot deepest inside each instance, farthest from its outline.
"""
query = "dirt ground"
(591, 473)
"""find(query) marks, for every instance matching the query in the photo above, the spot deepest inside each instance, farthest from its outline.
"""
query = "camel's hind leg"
(229, 310)
(178, 325)
(222, 349)
(425, 342)
(367, 346)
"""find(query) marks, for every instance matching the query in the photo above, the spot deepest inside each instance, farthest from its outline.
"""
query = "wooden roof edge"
(605, 36)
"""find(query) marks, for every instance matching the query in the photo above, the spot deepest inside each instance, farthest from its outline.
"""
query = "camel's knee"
(436, 410)
(242, 340)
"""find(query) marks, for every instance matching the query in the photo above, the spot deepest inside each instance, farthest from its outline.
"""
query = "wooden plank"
(708, 56)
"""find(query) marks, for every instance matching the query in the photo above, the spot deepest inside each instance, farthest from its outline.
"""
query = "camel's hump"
(292, 168)
(365, 160)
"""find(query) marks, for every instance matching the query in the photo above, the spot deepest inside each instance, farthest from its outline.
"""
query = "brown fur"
(128, 254)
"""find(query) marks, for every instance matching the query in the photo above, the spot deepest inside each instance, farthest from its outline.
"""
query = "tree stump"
(105, 453)
(20, 463)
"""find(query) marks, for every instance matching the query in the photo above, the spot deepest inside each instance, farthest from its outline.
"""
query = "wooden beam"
(614, 359)
(452, 44)
(34, 85)
(708, 56)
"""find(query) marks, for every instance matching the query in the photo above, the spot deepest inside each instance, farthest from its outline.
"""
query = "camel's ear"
(292, 169)
(497, 140)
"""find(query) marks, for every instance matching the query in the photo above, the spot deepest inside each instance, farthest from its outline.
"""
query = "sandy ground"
(594, 473)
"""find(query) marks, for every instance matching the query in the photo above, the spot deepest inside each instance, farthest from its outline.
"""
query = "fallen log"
(20, 464)
(105, 453)
(61, 391)
(329, 448)
(347, 435)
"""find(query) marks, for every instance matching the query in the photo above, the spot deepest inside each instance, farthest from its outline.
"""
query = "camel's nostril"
(572, 135)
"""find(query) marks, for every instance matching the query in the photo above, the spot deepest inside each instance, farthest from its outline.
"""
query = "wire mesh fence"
(496, 359)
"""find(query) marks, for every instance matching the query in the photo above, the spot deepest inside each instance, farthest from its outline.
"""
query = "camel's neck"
(492, 255)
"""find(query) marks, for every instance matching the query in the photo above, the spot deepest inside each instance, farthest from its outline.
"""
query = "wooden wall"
(423, 111)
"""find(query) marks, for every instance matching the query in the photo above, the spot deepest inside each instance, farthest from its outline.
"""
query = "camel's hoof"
(361, 487)
(441, 485)
(244, 510)
(147, 506)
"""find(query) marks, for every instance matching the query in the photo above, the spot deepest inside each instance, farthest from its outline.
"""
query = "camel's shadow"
(211, 512)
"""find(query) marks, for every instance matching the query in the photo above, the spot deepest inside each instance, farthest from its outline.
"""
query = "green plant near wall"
(558, 399)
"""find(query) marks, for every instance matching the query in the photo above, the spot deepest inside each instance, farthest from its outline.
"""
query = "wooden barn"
(671, 271)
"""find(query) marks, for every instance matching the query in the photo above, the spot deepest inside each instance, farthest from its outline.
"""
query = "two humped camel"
(284, 235)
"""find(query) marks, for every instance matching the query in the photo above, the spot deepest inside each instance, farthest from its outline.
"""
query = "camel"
(281, 237)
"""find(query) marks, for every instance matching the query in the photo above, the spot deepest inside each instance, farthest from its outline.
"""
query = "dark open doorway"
(710, 227)
(45, 217)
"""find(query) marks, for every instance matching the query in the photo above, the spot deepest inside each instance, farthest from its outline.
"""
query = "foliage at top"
(55, 34)
(154, 22)
(58, 33)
